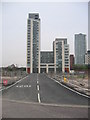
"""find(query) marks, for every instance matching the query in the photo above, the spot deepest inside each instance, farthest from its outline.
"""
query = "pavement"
(38, 96)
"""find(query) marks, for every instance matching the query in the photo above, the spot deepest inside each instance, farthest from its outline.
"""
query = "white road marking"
(70, 88)
(38, 87)
(13, 84)
(26, 86)
(20, 86)
(47, 104)
(23, 86)
(29, 86)
(1, 89)
(39, 98)
(37, 76)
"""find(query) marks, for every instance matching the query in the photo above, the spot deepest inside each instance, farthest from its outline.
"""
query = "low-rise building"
(87, 58)
(46, 61)
(46, 57)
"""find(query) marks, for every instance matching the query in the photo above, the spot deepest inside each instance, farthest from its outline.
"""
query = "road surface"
(37, 96)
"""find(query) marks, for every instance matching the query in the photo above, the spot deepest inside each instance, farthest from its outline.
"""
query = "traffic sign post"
(5, 82)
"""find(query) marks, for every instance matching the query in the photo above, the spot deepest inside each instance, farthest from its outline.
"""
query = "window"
(28, 51)
(28, 62)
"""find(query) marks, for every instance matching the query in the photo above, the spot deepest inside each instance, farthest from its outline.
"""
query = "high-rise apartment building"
(50, 61)
(33, 43)
(61, 55)
(80, 48)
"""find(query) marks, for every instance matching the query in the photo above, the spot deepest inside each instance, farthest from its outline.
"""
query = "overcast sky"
(57, 20)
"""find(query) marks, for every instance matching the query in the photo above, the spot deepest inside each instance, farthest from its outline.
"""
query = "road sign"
(5, 82)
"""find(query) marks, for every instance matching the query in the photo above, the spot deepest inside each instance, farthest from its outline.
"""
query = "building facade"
(33, 43)
(80, 48)
(46, 57)
(71, 62)
(87, 58)
(61, 55)
(66, 58)
(47, 61)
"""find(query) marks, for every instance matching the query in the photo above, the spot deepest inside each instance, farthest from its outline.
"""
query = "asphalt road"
(38, 96)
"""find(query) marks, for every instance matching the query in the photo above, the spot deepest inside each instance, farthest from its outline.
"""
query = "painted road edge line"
(70, 88)
(13, 84)
(38, 87)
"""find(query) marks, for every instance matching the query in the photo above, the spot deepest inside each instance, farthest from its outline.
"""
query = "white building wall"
(55, 56)
(32, 27)
(63, 57)
(31, 48)
(39, 50)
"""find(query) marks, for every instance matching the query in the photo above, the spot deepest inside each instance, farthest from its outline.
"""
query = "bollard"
(65, 80)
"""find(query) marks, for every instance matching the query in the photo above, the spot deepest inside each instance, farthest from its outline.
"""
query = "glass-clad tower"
(33, 43)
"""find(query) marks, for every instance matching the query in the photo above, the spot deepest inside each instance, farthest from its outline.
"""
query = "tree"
(80, 67)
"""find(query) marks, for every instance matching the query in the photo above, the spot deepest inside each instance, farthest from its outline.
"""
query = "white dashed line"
(37, 77)
(39, 98)
(38, 87)
(23, 86)
(29, 86)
